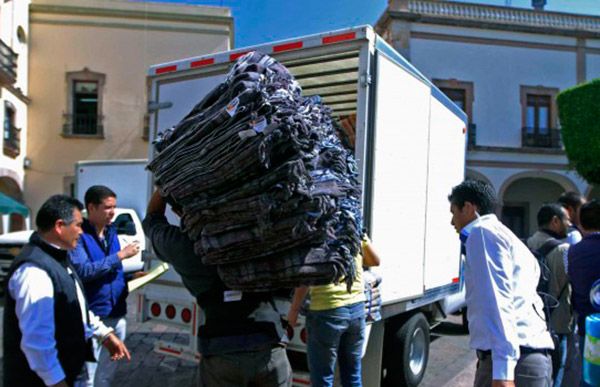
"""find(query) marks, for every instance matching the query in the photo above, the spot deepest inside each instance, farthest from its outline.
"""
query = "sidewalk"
(148, 368)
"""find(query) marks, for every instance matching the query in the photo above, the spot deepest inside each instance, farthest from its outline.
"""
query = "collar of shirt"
(467, 229)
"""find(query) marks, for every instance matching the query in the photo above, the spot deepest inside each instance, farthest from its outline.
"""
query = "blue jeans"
(101, 374)
(332, 334)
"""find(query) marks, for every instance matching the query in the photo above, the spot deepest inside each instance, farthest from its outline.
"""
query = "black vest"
(72, 347)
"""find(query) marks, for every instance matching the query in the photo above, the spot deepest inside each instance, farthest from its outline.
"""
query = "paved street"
(451, 363)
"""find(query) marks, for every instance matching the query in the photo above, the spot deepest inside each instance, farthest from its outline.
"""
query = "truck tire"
(407, 352)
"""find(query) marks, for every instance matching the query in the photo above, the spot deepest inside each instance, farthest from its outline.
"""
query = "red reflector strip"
(339, 38)
(301, 381)
(169, 350)
(202, 62)
(235, 56)
(455, 280)
(166, 69)
(288, 46)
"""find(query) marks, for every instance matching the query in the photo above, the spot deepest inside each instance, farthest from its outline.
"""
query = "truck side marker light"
(166, 69)
(186, 315)
(465, 130)
(288, 46)
(339, 38)
(170, 312)
(237, 55)
(202, 62)
(155, 309)
(455, 280)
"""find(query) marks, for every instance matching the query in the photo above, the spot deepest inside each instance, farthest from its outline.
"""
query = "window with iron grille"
(539, 119)
(11, 134)
(83, 117)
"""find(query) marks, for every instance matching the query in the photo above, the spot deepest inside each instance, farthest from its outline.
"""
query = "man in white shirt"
(47, 324)
(506, 317)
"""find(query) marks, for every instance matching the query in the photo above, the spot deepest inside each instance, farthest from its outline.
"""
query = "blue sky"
(259, 21)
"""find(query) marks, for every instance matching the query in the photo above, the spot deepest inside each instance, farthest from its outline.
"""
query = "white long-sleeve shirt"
(33, 292)
(504, 309)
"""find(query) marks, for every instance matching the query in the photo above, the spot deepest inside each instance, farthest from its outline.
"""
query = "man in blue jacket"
(97, 260)
(584, 266)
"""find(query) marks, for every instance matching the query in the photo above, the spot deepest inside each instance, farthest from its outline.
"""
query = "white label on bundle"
(232, 106)
(244, 134)
(232, 295)
(259, 124)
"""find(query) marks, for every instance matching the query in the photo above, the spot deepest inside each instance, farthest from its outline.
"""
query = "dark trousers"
(265, 368)
(532, 370)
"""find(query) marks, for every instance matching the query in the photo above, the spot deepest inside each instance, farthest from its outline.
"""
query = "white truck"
(410, 148)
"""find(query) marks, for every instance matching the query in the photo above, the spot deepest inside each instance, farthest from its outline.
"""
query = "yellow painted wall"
(121, 46)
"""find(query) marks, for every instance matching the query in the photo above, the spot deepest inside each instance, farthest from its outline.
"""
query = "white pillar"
(5, 223)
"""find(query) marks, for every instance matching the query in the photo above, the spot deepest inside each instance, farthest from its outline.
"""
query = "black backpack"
(543, 288)
(550, 303)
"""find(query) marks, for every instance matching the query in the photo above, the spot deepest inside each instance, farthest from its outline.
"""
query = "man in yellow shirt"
(336, 325)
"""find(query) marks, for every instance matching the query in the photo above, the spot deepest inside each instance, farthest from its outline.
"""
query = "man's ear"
(470, 208)
(58, 226)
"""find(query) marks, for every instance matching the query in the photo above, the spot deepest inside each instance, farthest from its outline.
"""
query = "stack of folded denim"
(268, 192)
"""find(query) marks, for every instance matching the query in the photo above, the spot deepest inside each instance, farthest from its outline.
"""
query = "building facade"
(88, 61)
(14, 101)
(504, 66)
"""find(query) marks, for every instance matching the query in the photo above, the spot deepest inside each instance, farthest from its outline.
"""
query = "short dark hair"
(589, 215)
(548, 211)
(55, 208)
(97, 193)
(476, 192)
(570, 199)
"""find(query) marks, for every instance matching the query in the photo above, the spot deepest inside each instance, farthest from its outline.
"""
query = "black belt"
(483, 355)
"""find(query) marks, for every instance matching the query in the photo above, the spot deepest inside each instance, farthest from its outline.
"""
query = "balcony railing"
(83, 125)
(541, 138)
(12, 141)
(8, 65)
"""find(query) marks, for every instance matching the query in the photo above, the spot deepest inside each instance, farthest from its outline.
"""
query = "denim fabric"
(336, 334)
(269, 193)
(102, 372)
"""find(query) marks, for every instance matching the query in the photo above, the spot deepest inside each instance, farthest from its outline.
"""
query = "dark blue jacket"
(101, 271)
(584, 270)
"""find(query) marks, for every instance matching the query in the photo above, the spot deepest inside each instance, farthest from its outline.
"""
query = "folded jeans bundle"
(267, 190)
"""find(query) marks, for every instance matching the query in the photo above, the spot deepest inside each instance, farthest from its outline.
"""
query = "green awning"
(9, 205)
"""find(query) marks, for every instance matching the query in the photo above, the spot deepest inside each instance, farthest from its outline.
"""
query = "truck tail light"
(303, 335)
(170, 312)
(186, 315)
(290, 332)
(155, 309)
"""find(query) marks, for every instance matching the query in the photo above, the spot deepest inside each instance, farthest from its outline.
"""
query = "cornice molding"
(130, 14)
(496, 17)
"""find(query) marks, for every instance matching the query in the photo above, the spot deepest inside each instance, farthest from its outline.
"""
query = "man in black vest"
(241, 339)
(47, 324)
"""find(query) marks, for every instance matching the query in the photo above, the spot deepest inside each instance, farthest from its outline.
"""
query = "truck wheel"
(407, 353)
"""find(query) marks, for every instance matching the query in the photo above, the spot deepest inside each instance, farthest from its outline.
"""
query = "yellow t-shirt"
(331, 296)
